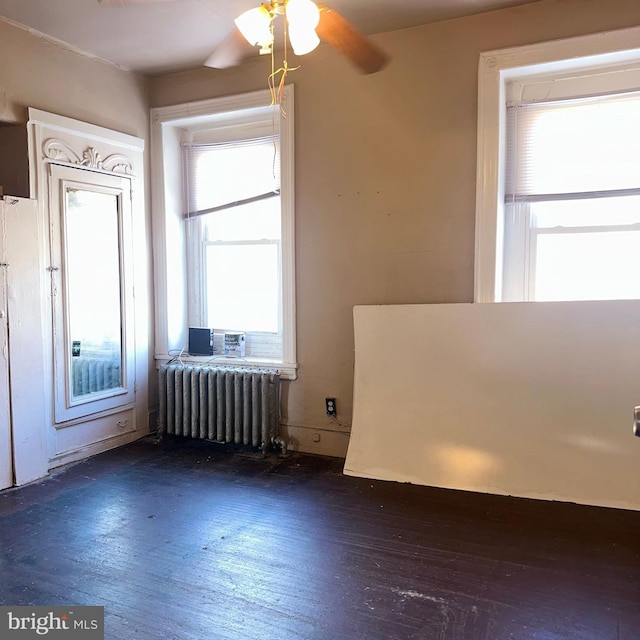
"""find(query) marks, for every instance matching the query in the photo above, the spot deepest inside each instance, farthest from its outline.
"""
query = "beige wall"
(37, 73)
(14, 160)
(385, 178)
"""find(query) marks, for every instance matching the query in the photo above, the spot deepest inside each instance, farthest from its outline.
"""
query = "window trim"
(170, 268)
(495, 69)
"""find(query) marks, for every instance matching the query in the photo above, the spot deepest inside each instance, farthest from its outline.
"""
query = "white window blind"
(586, 147)
(225, 173)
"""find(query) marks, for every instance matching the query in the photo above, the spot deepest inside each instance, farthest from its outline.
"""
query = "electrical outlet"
(331, 406)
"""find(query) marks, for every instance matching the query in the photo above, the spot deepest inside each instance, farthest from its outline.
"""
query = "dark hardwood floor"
(184, 541)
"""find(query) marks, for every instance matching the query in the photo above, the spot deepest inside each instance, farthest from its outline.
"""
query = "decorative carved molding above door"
(61, 152)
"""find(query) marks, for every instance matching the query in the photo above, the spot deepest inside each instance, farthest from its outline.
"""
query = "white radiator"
(221, 404)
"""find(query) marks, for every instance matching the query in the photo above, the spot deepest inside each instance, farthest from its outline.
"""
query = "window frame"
(497, 68)
(172, 290)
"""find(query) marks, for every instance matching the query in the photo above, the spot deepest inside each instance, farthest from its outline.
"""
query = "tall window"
(234, 239)
(558, 187)
(572, 202)
(224, 226)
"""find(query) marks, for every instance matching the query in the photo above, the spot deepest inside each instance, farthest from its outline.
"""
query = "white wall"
(526, 399)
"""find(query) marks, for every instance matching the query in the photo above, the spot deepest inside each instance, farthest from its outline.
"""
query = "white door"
(93, 337)
(6, 458)
(23, 397)
(27, 314)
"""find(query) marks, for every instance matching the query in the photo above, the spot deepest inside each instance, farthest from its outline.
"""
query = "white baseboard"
(318, 440)
(95, 448)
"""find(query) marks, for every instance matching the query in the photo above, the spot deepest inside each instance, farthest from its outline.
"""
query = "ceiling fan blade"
(126, 3)
(352, 44)
(230, 52)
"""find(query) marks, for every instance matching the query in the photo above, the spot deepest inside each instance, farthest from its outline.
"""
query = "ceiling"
(159, 36)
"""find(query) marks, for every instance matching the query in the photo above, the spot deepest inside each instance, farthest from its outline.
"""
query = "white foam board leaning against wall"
(525, 399)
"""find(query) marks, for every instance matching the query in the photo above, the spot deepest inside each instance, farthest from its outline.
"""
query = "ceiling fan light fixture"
(255, 26)
(303, 40)
(302, 14)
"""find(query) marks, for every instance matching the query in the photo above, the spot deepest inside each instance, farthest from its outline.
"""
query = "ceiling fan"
(306, 24)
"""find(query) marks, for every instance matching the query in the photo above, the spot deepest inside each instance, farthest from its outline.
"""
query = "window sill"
(288, 370)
